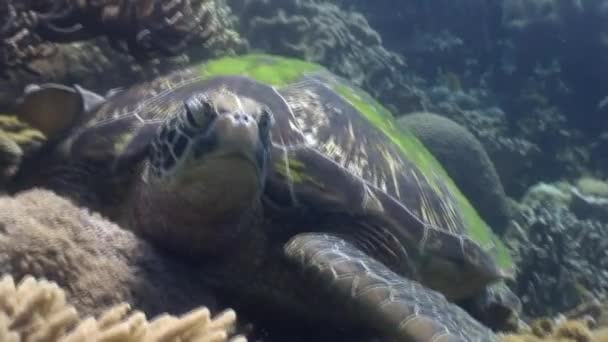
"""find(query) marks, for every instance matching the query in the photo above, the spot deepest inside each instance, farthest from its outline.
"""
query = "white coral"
(37, 310)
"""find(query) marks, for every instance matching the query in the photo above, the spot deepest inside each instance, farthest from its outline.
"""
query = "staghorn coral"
(38, 310)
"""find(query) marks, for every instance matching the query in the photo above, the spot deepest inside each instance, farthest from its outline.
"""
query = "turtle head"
(205, 173)
(213, 131)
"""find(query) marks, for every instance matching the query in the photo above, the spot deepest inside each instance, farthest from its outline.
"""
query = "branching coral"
(38, 310)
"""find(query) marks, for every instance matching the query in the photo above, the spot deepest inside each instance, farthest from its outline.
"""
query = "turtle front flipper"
(393, 305)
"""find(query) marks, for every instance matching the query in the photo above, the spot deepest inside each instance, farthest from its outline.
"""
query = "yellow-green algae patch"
(294, 171)
(273, 70)
(280, 71)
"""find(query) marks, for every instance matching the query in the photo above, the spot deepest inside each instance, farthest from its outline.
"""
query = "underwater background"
(523, 82)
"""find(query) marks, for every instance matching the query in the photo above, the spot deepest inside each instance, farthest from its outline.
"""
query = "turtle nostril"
(241, 118)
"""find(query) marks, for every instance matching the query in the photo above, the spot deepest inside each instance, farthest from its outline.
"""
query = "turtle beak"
(237, 131)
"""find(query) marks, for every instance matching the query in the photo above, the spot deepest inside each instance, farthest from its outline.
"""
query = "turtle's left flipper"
(392, 304)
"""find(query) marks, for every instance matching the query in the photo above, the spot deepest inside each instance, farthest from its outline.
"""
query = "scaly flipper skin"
(396, 306)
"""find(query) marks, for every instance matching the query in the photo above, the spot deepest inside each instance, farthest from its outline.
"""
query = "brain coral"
(466, 161)
(96, 262)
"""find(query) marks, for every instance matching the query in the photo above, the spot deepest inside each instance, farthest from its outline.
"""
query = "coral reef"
(560, 47)
(322, 32)
(546, 330)
(466, 161)
(99, 266)
(96, 65)
(538, 62)
(96, 262)
(38, 310)
(562, 256)
(143, 28)
(526, 149)
(16, 140)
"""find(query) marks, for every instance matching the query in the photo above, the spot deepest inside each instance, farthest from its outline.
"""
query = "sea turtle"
(286, 184)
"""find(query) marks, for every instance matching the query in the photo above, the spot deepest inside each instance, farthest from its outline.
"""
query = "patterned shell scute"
(148, 102)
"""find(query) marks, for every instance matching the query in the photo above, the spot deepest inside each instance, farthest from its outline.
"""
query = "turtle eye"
(199, 111)
(265, 120)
